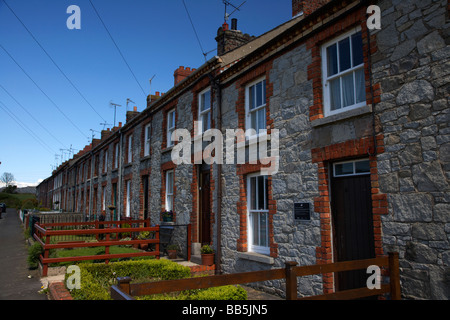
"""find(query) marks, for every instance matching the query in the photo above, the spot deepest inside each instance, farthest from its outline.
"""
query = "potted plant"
(143, 235)
(172, 251)
(207, 255)
(167, 216)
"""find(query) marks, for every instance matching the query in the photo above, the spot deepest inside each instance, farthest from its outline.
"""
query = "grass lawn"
(79, 252)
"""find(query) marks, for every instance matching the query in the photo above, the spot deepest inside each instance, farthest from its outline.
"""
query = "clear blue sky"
(155, 37)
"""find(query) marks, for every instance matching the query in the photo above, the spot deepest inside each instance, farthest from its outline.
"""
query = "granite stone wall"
(413, 66)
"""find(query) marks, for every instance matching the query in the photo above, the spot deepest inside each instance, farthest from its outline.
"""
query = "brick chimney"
(131, 114)
(306, 6)
(230, 39)
(182, 73)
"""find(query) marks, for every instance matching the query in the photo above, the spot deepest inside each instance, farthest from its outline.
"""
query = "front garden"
(97, 278)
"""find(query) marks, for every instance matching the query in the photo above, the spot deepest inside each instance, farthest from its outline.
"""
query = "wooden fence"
(110, 229)
(125, 290)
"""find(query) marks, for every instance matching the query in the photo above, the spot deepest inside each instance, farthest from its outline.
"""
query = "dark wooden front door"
(205, 207)
(352, 226)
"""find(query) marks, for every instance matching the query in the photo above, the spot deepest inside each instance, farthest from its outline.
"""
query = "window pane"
(253, 124)
(148, 132)
(255, 228)
(253, 193)
(362, 166)
(206, 101)
(332, 60)
(261, 120)
(344, 55)
(264, 91)
(263, 230)
(261, 193)
(251, 92)
(259, 94)
(348, 90)
(169, 182)
(360, 86)
(357, 49)
(172, 119)
(335, 94)
(206, 121)
(343, 168)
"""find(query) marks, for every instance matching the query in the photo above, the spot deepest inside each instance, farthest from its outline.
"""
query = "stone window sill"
(253, 256)
(342, 116)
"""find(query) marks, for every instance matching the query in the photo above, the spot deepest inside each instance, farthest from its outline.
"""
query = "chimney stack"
(181, 73)
(228, 40)
(306, 7)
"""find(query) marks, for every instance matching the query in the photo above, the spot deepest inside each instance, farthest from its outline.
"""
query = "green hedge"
(96, 280)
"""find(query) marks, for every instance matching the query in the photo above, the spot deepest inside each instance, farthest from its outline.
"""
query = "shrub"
(33, 255)
(30, 204)
(206, 249)
(96, 280)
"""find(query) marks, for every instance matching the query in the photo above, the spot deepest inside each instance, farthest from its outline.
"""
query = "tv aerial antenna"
(115, 105)
(150, 80)
(129, 100)
(228, 3)
(104, 124)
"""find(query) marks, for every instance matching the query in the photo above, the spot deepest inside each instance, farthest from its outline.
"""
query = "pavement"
(17, 282)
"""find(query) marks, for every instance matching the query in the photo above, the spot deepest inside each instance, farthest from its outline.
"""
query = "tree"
(7, 178)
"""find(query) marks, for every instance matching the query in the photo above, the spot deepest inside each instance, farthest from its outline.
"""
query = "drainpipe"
(218, 257)
(119, 183)
(369, 56)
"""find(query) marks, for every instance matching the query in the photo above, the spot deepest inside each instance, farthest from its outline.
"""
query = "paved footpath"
(15, 283)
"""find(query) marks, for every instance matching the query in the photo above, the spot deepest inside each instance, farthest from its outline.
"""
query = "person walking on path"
(17, 282)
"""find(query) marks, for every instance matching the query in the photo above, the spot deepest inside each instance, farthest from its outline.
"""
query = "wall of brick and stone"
(413, 67)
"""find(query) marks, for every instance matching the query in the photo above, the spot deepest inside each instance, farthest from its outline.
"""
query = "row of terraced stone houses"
(362, 117)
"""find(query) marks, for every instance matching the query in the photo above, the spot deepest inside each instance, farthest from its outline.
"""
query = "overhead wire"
(43, 92)
(37, 121)
(195, 31)
(25, 128)
(117, 47)
(52, 60)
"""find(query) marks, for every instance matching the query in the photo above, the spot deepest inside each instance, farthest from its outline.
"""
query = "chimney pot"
(120, 124)
(225, 26)
(234, 24)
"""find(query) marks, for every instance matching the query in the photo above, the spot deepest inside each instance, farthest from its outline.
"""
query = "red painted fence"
(44, 233)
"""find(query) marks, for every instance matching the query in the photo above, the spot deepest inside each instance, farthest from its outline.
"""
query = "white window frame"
(201, 113)
(248, 113)
(326, 80)
(170, 127)
(354, 173)
(251, 246)
(128, 209)
(130, 148)
(169, 191)
(147, 136)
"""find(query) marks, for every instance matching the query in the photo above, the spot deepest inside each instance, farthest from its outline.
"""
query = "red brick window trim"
(315, 72)
(243, 172)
